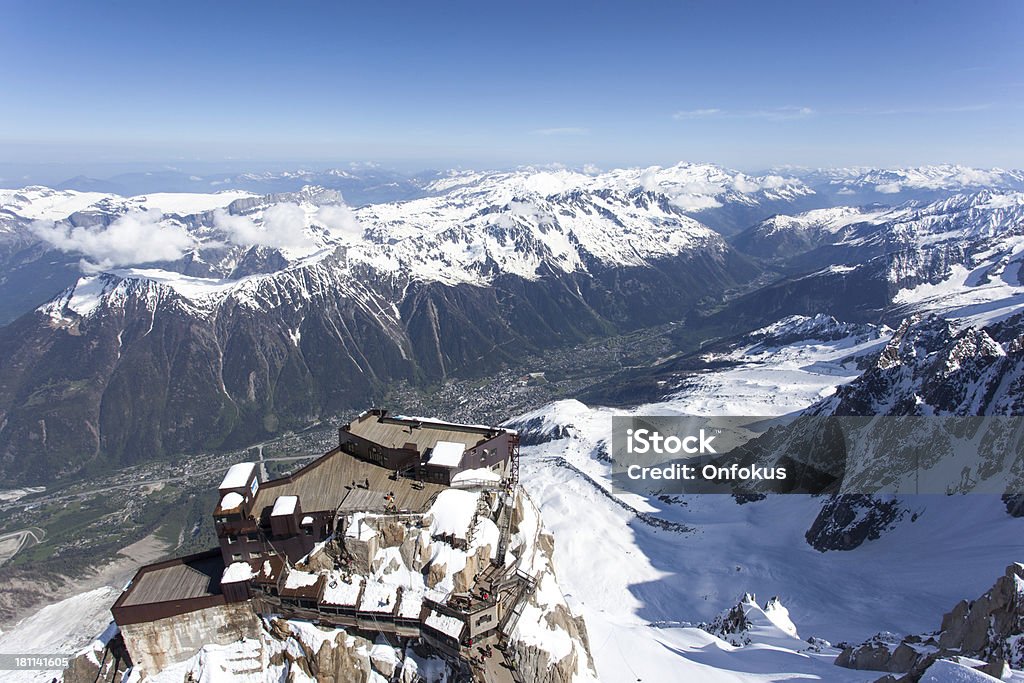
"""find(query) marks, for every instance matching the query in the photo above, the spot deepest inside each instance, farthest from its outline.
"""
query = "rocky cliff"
(988, 630)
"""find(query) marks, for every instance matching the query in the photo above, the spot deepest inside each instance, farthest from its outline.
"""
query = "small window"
(253, 536)
(254, 556)
(232, 539)
(237, 557)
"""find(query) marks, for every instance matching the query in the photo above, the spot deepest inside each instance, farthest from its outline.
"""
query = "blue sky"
(745, 84)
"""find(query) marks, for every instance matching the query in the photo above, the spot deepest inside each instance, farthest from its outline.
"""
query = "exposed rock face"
(929, 367)
(991, 626)
(747, 622)
(436, 573)
(361, 553)
(415, 551)
(847, 521)
(990, 629)
(883, 652)
(1014, 504)
(732, 626)
(392, 534)
(153, 646)
(475, 564)
(534, 431)
(338, 658)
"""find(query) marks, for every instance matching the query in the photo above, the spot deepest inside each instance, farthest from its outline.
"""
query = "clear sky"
(745, 84)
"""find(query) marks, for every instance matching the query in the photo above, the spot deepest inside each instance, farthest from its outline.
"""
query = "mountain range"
(254, 313)
(160, 324)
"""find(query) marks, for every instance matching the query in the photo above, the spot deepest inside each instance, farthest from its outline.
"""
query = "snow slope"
(642, 570)
(61, 628)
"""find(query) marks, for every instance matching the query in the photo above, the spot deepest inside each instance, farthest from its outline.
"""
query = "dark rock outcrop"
(847, 521)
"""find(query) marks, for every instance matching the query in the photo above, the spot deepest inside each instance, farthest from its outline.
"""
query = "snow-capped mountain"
(783, 236)
(897, 185)
(959, 256)
(690, 186)
(967, 218)
(148, 356)
(270, 311)
(724, 199)
(933, 367)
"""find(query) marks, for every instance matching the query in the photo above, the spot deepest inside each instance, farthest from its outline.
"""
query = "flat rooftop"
(392, 432)
(177, 580)
(323, 484)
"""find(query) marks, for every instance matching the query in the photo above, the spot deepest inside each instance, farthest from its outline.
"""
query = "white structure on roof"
(238, 475)
(231, 501)
(447, 454)
(284, 505)
(235, 572)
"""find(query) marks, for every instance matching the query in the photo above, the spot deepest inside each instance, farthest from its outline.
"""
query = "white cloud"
(783, 113)
(565, 130)
(702, 187)
(284, 226)
(648, 180)
(696, 114)
(975, 176)
(742, 183)
(139, 236)
(591, 169)
(695, 202)
(889, 188)
(340, 220)
(747, 184)
(774, 182)
(771, 114)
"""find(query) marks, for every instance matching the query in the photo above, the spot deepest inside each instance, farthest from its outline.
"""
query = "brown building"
(382, 465)
(424, 449)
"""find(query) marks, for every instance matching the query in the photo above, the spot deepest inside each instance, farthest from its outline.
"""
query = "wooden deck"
(394, 433)
(323, 484)
(182, 580)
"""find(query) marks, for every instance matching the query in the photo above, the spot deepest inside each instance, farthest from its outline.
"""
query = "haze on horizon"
(95, 89)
